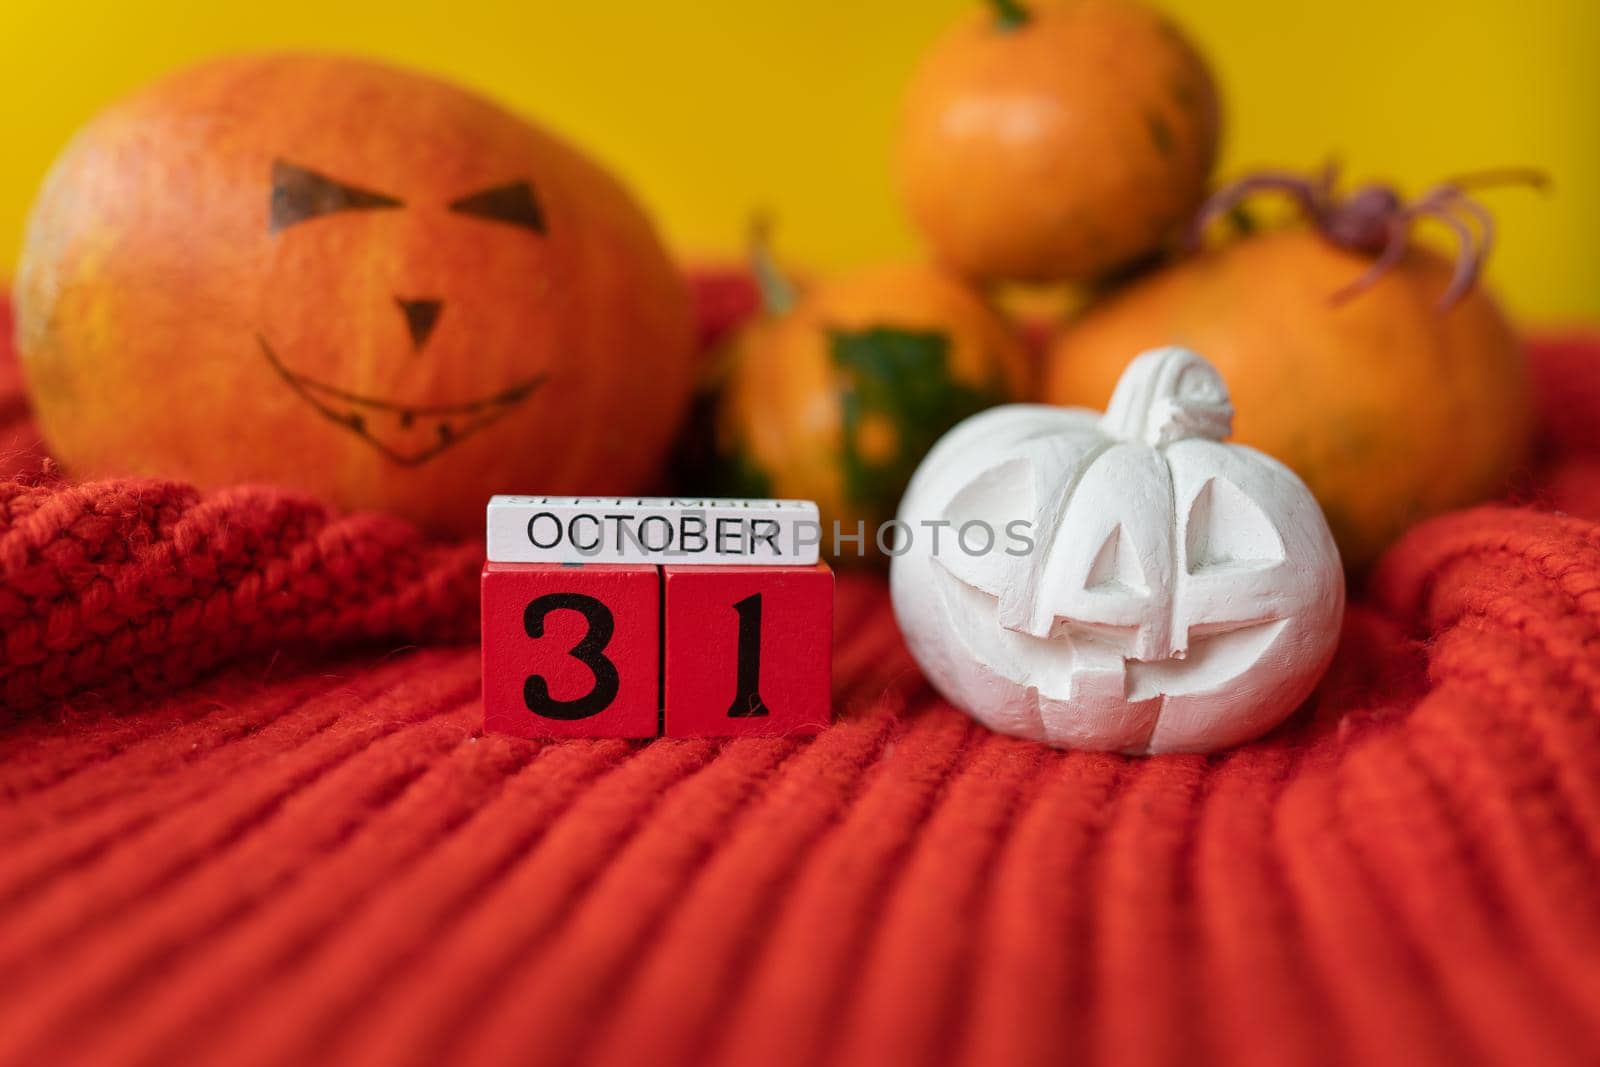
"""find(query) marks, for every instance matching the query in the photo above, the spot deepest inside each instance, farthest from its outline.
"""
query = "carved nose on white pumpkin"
(1166, 395)
(1156, 644)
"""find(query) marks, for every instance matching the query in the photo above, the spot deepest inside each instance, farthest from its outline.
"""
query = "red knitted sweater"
(313, 856)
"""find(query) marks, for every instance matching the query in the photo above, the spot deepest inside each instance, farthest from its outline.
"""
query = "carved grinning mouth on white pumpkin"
(407, 434)
(1052, 664)
(1067, 667)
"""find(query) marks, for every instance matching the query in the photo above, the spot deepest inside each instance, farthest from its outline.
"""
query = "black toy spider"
(1375, 221)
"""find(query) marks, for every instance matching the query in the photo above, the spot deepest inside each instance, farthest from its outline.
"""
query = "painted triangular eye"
(300, 194)
(515, 204)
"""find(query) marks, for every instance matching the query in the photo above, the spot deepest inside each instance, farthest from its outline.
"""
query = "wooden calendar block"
(749, 650)
(663, 530)
(571, 650)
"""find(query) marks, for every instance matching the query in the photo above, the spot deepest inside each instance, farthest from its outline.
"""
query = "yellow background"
(713, 108)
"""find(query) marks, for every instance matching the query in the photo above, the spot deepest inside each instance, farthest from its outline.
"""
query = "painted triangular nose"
(421, 317)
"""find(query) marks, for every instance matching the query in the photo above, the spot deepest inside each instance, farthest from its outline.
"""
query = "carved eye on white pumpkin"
(1180, 594)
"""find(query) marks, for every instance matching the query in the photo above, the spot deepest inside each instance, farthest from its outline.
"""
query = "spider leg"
(1528, 176)
(1388, 259)
(1433, 198)
(1230, 196)
(1480, 216)
(1469, 258)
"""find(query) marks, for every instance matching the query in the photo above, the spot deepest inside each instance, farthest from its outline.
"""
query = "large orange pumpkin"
(357, 280)
(1056, 139)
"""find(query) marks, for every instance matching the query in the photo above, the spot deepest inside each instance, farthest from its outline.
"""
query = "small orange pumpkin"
(356, 280)
(839, 396)
(1048, 140)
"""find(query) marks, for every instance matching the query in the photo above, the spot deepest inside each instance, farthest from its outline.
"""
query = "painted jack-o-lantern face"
(1180, 594)
(405, 431)
(331, 274)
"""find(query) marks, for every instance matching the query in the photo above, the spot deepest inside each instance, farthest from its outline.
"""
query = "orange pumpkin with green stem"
(1377, 370)
(836, 393)
(1056, 139)
(356, 280)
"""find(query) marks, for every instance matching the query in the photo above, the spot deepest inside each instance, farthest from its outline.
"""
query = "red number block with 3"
(571, 650)
(749, 650)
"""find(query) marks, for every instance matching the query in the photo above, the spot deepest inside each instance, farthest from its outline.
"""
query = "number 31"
(590, 651)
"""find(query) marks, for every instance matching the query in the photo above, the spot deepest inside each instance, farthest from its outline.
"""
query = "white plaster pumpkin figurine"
(1179, 595)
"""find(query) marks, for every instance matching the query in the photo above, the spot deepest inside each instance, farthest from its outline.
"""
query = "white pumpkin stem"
(1166, 395)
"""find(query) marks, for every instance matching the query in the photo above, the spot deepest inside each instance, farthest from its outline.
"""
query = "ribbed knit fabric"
(108, 586)
(314, 857)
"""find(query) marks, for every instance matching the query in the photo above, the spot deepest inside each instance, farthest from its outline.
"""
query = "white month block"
(658, 530)
(1144, 586)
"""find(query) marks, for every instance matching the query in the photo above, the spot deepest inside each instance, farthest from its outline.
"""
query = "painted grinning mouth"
(407, 434)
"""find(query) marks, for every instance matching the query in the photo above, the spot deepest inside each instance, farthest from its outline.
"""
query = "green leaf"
(901, 377)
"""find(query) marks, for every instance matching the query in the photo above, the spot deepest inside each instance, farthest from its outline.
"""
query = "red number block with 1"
(749, 650)
(571, 650)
